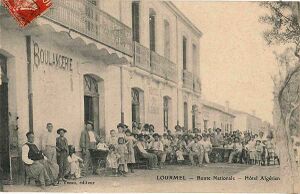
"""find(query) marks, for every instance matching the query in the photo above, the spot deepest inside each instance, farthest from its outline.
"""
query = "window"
(91, 101)
(184, 54)
(166, 112)
(152, 29)
(195, 58)
(136, 21)
(92, 17)
(186, 115)
(194, 116)
(135, 101)
(167, 39)
(205, 122)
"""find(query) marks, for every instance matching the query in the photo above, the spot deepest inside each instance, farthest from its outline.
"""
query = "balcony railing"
(154, 63)
(187, 78)
(142, 57)
(197, 85)
(163, 67)
(85, 18)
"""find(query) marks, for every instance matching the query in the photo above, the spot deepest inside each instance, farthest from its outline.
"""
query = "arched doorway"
(194, 116)
(167, 110)
(185, 115)
(137, 105)
(91, 101)
(4, 130)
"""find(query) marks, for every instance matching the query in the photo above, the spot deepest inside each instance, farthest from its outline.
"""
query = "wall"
(219, 117)
(154, 91)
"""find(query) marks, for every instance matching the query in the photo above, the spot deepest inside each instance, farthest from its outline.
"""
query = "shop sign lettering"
(42, 56)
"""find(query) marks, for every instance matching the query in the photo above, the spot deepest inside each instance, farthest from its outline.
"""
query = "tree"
(285, 31)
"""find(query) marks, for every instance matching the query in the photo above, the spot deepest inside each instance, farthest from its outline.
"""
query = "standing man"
(48, 143)
(88, 140)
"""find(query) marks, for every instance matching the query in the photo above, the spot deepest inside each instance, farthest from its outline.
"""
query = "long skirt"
(42, 170)
(52, 169)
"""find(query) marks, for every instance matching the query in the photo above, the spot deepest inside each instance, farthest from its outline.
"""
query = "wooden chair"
(28, 179)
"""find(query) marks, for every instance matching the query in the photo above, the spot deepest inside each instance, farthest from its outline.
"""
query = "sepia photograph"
(149, 96)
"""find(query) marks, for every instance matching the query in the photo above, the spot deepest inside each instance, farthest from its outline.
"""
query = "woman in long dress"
(130, 145)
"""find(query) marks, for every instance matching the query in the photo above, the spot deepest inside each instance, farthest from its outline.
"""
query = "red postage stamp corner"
(24, 11)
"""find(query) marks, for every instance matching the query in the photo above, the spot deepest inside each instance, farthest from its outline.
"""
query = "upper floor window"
(167, 39)
(184, 53)
(152, 16)
(195, 55)
(136, 21)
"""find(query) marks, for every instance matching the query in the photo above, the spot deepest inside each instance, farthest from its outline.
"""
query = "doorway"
(4, 130)
(91, 103)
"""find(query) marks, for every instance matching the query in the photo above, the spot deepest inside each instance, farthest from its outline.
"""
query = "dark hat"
(177, 127)
(218, 129)
(90, 122)
(146, 126)
(29, 133)
(155, 134)
(258, 141)
(120, 125)
(146, 136)
(128, 131)
(140, 136)
(61, 129)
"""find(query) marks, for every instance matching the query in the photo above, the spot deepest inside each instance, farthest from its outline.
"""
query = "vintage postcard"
(149, 96)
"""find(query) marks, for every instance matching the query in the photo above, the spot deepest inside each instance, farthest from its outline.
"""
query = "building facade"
(217, 116)
(101, 61)
(248, 122)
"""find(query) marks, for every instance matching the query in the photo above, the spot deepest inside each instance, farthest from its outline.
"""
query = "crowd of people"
(56, 160)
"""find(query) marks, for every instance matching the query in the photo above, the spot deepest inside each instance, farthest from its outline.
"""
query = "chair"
(140, 161)
(27, 179)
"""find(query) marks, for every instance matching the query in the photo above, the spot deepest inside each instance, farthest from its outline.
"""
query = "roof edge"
(183, 17)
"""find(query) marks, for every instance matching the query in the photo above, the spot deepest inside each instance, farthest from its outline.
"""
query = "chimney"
(253, 112)
(227, 106)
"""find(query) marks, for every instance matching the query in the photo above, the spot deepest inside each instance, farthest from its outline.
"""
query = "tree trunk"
(288, 167)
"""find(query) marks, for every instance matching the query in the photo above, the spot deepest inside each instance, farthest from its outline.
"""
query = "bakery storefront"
(54, 76)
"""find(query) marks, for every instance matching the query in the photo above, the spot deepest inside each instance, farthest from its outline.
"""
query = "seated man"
(37, 165)
(158, 149)
(237, 150)
(152, 158)
(195, 149)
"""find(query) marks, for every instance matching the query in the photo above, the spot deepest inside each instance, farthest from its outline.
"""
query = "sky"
(235, 62)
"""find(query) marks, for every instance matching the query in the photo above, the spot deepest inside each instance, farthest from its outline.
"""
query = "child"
(113, 139)
(62, 153)
(122, 151)
(102, 145)
(207, 147)
(270, 150)
(120, 127)
(259, 150)
(130, 146)
(112, 159)
(74, 160)
(251, 149)
(179, 154)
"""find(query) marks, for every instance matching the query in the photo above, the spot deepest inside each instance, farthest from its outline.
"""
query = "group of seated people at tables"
(125, 147)
(190, 146)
